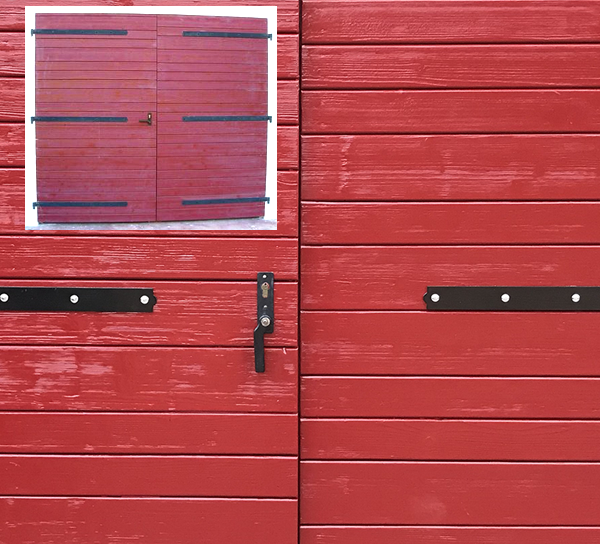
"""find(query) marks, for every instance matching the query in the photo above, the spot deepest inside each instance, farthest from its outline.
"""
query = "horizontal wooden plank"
(449, 493)
(288, 106)
(180, 48)
(435, 112)
(288, 53)
(450, 223)
(486, 167)
(85, 76)
(169, 89)
(331, 396)
(128, 475)
(146, 41)
(170, 208)
(156, 520)
(480, 440)
(288, 148)
(450, 21)
(187, 314)
(12, 145)
(99, 108)
(13, 17)
(156, 258)
(12, 54)
(12, 93)
(234, 161)
(457, 66)
(99, 153)
(196, 379)
(396, 277)
(95, 20)
(453, 343)
(433, 535)
(167, 22)
(196, 100)
(74, 68)
(85, 54)
(133, 433)
(108, 84)
(115, 96)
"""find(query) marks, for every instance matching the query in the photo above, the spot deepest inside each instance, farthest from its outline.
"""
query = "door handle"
(265, 317)
(148, 120)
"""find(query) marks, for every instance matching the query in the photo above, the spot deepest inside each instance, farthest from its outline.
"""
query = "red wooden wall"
(149, 427)
(448, 143)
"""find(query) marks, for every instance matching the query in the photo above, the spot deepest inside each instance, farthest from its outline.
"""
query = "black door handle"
(148, 120)
(265, 317)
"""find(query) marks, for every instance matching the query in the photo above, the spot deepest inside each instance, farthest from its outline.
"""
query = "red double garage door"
(150, 118)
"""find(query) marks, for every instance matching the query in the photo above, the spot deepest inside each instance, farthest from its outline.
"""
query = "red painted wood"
(187, 314)
(449, 493)
(484, 167)
(12, 218)
(481, 440)
(344, 112)
(288, 107)
(142, 379)
(131, 433)
(452, 343)
(457, 66)
(12, 105)
(156, 520)
(288, 53)
(128, 475)
(434, 535)
(450, 223)
(332, 396)
(91, 78)
(12, 145)
(134, 39)
(450, 21)
(72, 97)
(288, 146)
(75, 67)
(94, 20)
(12, 54)
(12, 18)
(396, 278)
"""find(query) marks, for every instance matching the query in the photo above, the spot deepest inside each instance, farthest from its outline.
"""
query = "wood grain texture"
(436, 112)
(450, 21)
(128, 475)
(455, 67)
(187, 314)
(12, 145)
(449, 493)
(481, 440)
(483, 167)
(135, 258)
(453, 343)
(396, 277)
(137, 520)
(288, 148)
(288, 102)
(147, 379)
(450, 223)
(12, 103)
(145, 433)
(288, 56)
(332, 396)
(433, 535)
(12, 54)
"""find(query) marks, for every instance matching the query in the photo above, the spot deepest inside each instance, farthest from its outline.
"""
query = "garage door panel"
(126, 476)
(76, 68)
(170, 23)
(457, 397)
(186, 309)
(397, 277)
(450, 493)
(156, 520)
(450, 343)
(142, 379)
(91, 96)
(149, 433)
(101, 54)
(450, 439)
(136, 41)
(138, 209)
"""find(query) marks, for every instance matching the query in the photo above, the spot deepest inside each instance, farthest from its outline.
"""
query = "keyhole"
(265, 289)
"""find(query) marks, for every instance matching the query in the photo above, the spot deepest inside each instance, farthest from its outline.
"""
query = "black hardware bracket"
(203, 34)
(233, 118)
(78, 32)
(78, 119)
(72, 204)
(265, 317)
(247, 200)
(513, 299)
(76, 299)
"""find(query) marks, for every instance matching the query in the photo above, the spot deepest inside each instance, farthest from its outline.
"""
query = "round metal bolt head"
(505, 297)
(74, 299)
(576, 297)
(265, 321)
(144, 299)
(4, 297)
(435, 297)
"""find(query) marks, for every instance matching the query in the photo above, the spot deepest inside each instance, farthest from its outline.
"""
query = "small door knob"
(148, 120)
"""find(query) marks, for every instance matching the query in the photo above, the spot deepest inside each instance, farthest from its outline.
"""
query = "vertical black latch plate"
(265, 317)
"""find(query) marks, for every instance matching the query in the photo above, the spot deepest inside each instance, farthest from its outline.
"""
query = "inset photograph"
(151, 120)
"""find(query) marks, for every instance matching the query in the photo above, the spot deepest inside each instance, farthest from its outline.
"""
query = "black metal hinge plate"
(514, 299)
(76, 299)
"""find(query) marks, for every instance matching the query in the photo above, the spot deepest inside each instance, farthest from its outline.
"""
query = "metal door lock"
(265, 317)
